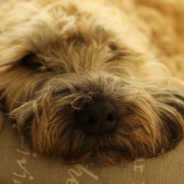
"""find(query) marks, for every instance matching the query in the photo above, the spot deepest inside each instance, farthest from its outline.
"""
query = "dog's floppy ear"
(170, 104)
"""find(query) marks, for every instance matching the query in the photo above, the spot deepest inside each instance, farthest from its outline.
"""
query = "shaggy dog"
(94, 80)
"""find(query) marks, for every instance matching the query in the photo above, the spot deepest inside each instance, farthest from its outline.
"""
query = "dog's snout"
(97, 117)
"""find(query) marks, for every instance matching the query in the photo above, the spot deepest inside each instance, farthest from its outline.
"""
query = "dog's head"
(85, 92)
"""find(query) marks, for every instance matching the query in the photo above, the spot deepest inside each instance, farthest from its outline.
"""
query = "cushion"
(19, 164)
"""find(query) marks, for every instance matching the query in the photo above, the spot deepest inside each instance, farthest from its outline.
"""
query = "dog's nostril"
(87, 119)
(91, 120)
(111, 117)
(97, 117)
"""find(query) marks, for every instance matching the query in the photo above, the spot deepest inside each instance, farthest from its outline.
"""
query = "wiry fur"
(56, 56)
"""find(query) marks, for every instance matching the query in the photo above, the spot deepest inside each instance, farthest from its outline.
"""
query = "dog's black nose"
(97, 117)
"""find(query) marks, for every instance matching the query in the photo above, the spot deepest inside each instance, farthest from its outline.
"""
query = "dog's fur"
(56, 56)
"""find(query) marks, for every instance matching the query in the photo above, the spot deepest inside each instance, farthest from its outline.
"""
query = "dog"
(94, 81)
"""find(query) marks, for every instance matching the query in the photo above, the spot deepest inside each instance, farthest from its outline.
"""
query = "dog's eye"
(113, 47)
(31, 62)
(118, 52)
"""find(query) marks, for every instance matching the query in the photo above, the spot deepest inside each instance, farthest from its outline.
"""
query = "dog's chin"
(148, 124)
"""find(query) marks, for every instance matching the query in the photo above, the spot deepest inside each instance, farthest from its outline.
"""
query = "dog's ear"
(170, 104)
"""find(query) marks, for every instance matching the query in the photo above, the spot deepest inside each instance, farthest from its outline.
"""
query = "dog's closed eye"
(121, 53)
(32, 62)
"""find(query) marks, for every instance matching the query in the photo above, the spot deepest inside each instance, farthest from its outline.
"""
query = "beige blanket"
(21, 165)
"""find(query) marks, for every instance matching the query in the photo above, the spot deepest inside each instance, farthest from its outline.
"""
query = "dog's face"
(82, 92)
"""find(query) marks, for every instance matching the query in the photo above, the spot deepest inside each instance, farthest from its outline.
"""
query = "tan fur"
(56, 56)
